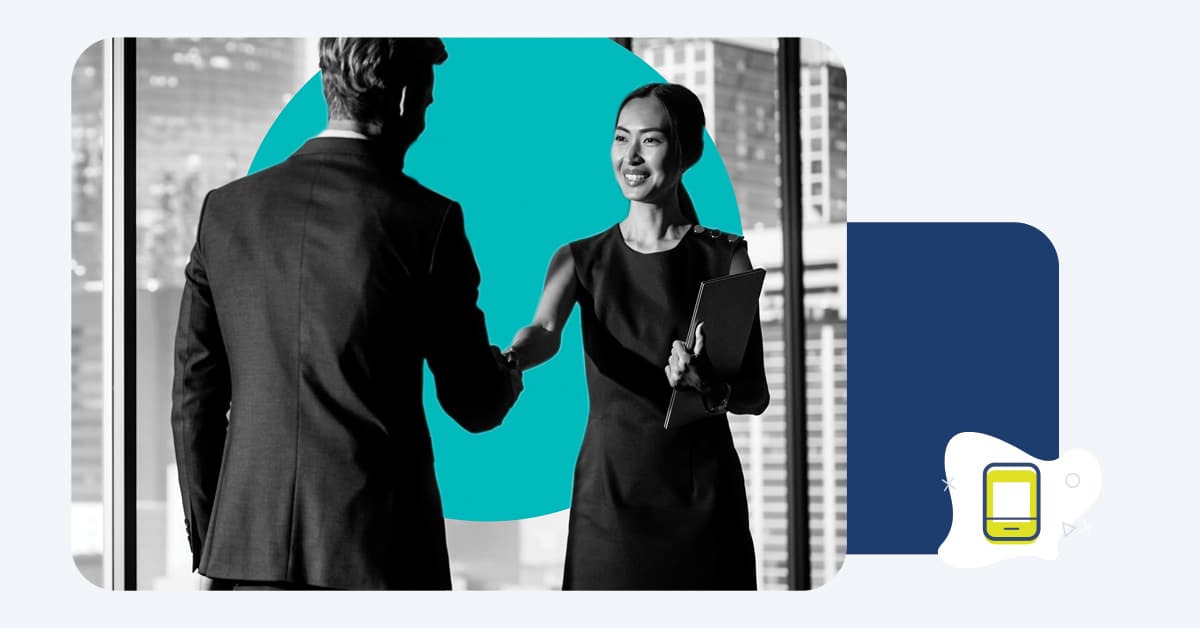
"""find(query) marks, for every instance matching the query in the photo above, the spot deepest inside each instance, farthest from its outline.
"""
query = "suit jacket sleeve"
(471, 386)
(200, 397)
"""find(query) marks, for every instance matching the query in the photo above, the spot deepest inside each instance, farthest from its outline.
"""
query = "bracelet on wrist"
(720, 406)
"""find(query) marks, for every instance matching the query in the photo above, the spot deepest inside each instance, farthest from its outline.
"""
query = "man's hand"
(511, 365)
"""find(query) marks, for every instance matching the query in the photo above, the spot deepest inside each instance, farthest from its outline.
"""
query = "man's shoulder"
(238, 187)
(414, 192)
(399, 186)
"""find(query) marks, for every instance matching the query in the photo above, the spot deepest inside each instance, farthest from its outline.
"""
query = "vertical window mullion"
(792, 219)
(128, 293)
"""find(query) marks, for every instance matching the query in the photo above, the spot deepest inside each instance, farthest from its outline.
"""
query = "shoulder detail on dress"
(716, 235)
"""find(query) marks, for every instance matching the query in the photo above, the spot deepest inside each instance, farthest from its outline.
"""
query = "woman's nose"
(633, 154)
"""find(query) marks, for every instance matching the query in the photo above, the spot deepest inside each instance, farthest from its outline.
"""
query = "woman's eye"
(619, 138)
(653, 140)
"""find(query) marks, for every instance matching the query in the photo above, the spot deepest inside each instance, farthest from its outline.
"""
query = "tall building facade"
(736, 81)
(823, 153)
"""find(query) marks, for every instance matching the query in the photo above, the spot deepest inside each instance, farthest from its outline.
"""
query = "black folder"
(726, 306)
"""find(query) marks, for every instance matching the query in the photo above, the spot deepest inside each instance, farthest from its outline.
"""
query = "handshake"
(508, 361)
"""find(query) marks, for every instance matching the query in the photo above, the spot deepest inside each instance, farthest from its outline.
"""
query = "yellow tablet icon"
(1011, 502)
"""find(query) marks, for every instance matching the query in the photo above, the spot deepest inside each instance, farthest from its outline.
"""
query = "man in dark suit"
(315, 290)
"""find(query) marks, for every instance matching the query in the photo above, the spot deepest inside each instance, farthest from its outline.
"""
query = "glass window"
(87, 272)
(815, 144)
(815, 122)
(815, 167)
(814, 100)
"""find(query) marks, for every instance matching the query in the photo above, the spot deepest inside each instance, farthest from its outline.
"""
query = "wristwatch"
(719, 407)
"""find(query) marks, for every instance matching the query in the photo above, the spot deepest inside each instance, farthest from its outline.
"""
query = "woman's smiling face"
(646, 165)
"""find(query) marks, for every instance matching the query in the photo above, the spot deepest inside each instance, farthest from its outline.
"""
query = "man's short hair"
(362, 77)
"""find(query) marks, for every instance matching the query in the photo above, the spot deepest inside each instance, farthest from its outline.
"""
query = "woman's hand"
(691, 369)
(508, 362)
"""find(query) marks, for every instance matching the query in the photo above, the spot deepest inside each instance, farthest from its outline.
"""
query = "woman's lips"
(634, 178)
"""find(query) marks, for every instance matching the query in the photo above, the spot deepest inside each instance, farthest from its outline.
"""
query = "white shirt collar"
(350, 135)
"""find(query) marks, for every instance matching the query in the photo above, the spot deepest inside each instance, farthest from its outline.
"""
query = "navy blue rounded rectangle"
(955, 329)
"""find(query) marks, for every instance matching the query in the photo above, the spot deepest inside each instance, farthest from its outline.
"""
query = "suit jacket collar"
(342, 145)
(367, 149)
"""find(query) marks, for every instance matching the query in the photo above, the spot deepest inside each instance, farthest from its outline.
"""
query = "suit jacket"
(314, 292)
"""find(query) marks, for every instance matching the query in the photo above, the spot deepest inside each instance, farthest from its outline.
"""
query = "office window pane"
(87, 265)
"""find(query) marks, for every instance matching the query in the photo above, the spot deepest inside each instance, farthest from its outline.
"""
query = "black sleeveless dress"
(651, 508)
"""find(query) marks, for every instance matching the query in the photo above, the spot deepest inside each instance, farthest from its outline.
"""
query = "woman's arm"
(748, 392)
(539, 341)
(744, 393)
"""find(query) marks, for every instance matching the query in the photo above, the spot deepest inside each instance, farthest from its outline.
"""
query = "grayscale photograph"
(365, 314)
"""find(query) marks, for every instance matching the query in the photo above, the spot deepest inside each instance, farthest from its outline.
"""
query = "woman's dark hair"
(362, 77)
(685, 130)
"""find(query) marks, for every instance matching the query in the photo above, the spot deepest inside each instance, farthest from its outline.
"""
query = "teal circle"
(519, 135)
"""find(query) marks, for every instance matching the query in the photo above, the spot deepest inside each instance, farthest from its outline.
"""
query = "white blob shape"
(1062, 505)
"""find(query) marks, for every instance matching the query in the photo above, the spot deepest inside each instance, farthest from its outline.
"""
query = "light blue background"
(519, 134)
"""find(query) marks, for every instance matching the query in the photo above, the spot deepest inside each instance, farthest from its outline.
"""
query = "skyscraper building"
(823, 152)
(736, 81)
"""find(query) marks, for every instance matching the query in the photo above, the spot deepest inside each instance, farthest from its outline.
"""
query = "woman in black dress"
(651, 508)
